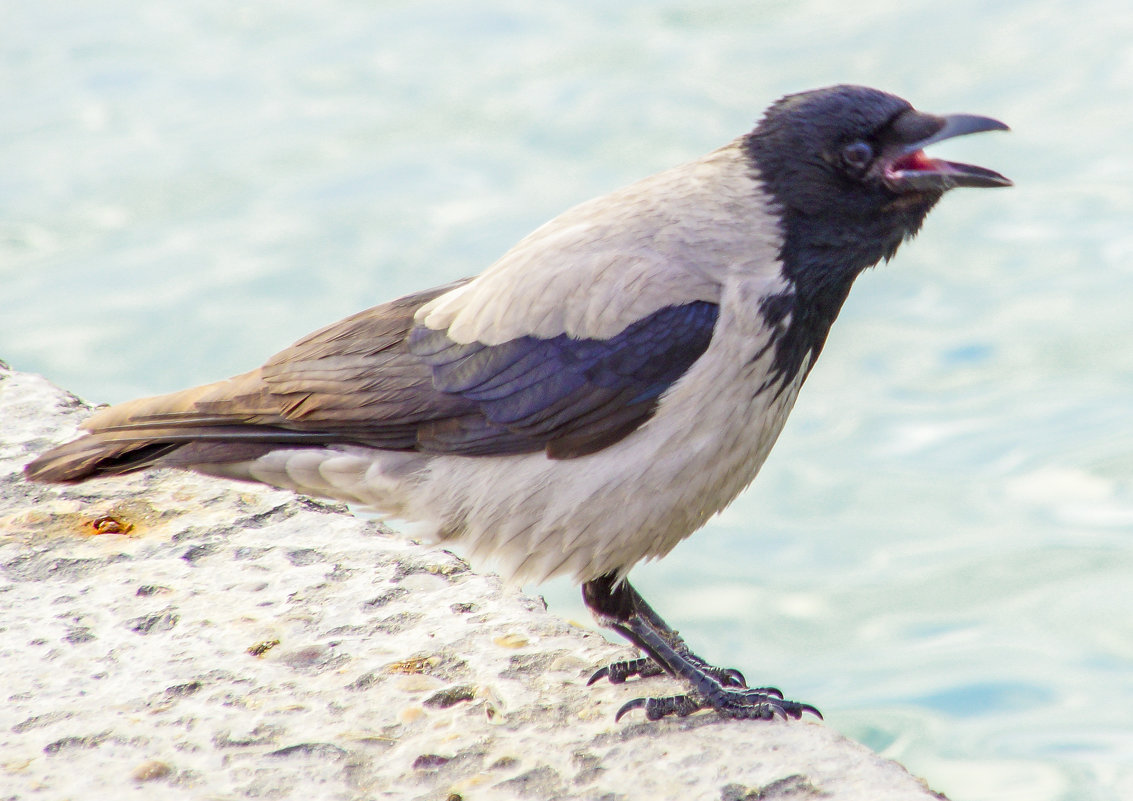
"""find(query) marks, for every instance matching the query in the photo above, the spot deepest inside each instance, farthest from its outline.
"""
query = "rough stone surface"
(196, 638)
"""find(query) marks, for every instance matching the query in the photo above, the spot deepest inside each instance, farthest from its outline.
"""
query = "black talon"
(775, 691)
(737, 678)
(807, 708)
(629, 706)
(599, 673)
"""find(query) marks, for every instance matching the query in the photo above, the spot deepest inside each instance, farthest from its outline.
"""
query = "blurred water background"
(938, 553)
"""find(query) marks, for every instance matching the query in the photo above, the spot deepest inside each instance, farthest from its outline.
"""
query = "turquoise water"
(938, 553)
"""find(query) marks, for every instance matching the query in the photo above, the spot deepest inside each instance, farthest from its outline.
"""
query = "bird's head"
(847, 164)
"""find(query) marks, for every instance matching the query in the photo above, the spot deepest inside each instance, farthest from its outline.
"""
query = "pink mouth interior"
(916, 161)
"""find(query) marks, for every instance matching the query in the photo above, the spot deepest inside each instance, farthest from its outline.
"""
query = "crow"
(603, 389)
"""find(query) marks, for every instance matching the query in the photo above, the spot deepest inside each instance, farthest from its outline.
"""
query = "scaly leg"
(618, 606)
(646, 667)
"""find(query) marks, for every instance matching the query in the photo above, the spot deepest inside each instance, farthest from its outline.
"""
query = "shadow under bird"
(598, 393)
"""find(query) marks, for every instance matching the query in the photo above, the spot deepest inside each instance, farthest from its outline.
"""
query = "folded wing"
(380, 379)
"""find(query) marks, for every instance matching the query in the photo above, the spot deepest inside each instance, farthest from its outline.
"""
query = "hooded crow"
(602, 390)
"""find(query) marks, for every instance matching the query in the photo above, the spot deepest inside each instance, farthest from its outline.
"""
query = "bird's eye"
(857, 155)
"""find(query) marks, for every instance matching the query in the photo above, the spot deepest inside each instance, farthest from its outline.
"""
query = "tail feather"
(125, 449)
(166, 431)
(96, 455)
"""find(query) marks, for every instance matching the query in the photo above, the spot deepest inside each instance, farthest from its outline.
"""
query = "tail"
(97, 455)
(175, 430)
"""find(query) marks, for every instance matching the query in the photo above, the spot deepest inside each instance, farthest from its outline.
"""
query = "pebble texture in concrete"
(173, 636)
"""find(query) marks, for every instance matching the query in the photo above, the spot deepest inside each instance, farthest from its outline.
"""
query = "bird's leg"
(646, 667)
(618, 606)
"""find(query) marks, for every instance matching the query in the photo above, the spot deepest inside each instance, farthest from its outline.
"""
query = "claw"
(794, 709)
(808, 708)
(601, 673)
(736, 678)
(629, 706)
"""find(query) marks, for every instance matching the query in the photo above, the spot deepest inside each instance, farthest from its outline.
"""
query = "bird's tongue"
(916, 161)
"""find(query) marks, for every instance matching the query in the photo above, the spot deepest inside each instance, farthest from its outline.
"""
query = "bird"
(601, 391)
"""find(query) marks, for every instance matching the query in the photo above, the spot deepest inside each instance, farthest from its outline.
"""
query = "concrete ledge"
(190, 637)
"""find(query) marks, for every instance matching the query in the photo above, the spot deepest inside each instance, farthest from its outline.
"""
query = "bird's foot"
(763, 703)
(644, 667)
(620, 608)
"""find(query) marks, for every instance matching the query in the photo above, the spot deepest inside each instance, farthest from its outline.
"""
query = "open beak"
(908, 169)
